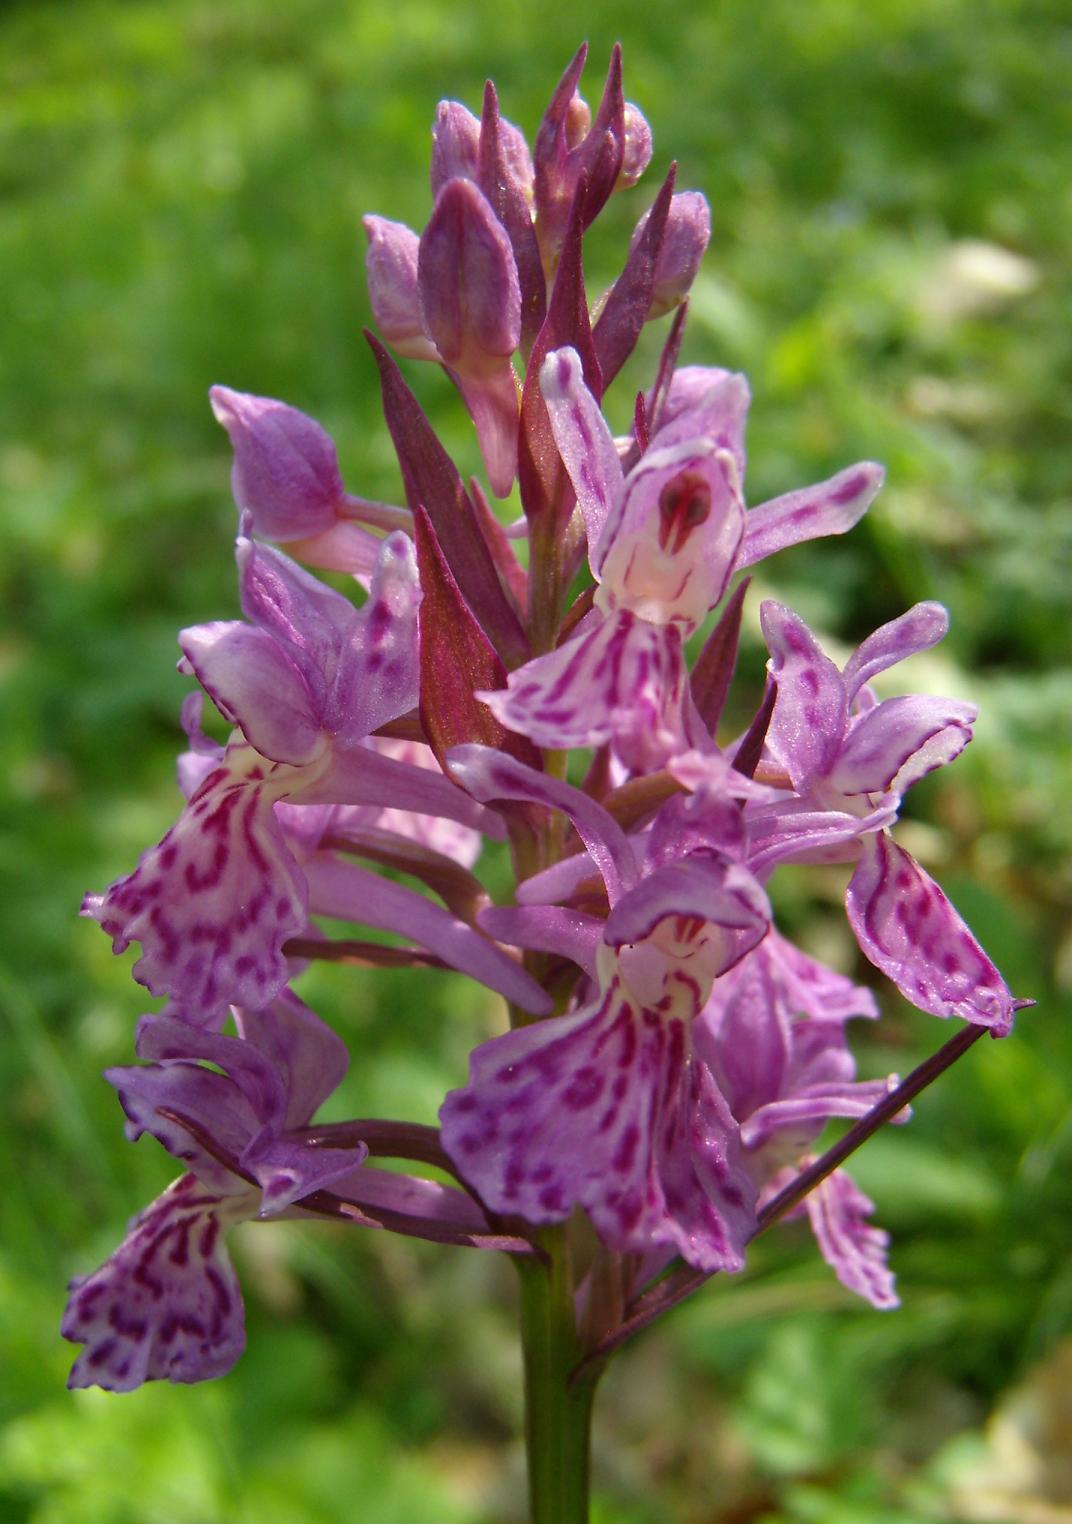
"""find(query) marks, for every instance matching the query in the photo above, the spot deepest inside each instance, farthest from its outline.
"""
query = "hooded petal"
(670, 546)
(310, 1059)
(167, 1304)
(907, 927)
(253, 683)
(898, 742)
(286, 471)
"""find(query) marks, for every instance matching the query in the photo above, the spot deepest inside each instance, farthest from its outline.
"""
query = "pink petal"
(286, 472)
(830, 507)
(907, 927)
(391, 263)
(923, 626)
(584, 441)
(547, 928)
(807, 727)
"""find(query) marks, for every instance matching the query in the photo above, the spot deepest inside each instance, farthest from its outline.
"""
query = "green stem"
(557, 1415)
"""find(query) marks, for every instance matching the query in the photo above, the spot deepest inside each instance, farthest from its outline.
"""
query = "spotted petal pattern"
(604, 1109)
(166, 1305)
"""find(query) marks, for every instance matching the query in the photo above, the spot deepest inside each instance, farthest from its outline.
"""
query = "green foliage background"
(182, 191)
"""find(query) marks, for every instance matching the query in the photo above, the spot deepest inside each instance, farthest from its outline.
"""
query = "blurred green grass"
(182, 190)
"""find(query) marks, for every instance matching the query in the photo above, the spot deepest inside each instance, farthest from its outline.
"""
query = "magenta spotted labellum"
(668, 1058)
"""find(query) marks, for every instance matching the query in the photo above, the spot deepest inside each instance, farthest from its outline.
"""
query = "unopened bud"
(285, 473)
(688, 232)
(455, 145)
(391, 263)
(470, 301)
(636, 155)
(578, 119)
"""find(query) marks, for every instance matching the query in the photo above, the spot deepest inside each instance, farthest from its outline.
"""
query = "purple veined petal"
(599, 1109)
(907, 927)
(455, 144)
(167, 1304)
(900, 741)
(587, 691)
(547, 928)
(811, 712)
(253, 683)
(584, 440)
(489, 775)
(214, 901)
(211, 1102)
(494, 402)
(391, 263)
(702, 822)
(923, 626)
(852, 1247)
(705, 402)
(830, 507)
(354, 894)
(709, 1194)
(467, 285)
(377, 674)
(710, 913)
(361, 775)
(286, 1170)
(669, 548)
(286, 471)
(309, 1058)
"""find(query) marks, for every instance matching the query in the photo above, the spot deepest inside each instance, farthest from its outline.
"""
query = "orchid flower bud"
(518, 159)
(455, 144)
(636, 155)
(391, 263)
(577, 121)
(470, 300)
(688, 232)
(286, 472)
